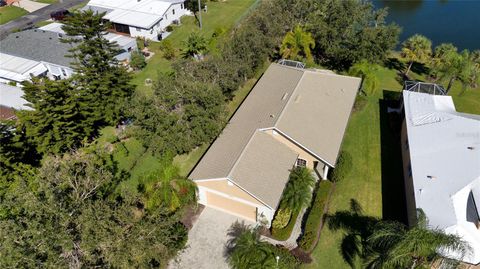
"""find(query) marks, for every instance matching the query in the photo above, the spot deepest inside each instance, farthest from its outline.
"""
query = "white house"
(441, 157)
(16, 69)
(142, 18)
(125, 43)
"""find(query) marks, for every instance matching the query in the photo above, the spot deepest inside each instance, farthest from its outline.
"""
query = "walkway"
(42, 14)
(206, 242)
(291, 242)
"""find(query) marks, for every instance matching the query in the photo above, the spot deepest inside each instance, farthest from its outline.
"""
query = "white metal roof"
(444, 150)
(11, 96)
(143, 13)
(18, 68)
(121, 40)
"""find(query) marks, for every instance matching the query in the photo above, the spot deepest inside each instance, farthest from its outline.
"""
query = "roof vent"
(50, 38)
(471, 148)
(285, 95)
(431, 177)
(272, 116)
(16, 36)
(35, 30)
(297, 99)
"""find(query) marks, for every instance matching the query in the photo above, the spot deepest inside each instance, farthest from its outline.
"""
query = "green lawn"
(8, 13)
(375, 154)
(220, 15)
(46, 1)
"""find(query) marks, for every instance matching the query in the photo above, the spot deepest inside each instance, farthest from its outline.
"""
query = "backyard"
(8, 13)
(376, 173)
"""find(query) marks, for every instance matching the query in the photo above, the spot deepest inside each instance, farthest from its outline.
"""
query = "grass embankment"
(376, 170)
(8, 13)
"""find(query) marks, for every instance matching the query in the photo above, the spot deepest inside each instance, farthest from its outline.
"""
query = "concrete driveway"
(206, 242)
(30, 6)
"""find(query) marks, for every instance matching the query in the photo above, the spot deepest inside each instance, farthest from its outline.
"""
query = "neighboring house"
(291, 117)
(15, 69)
(441, 159)
(125, 43)
(11, 99)
(142, 18)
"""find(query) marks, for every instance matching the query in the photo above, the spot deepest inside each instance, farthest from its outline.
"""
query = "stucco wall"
(408, 179)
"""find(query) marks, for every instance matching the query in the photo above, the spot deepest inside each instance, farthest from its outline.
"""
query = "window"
(181, 6)
(166, 16)
(301, 162)
(64, 72)
(138, 29)
(173, 11)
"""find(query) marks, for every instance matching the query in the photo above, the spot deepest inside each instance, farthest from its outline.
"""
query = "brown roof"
(310, 107)
(7, 113)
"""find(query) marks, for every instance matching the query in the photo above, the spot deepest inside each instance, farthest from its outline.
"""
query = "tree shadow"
(393, 188)
(394, 63)
(236, 229)
(420, 68)
(357, 227)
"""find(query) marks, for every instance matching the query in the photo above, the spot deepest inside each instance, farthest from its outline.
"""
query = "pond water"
(442, 21)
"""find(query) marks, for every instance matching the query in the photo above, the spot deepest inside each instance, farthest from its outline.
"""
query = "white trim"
(234, 198)
(260, 200)
(209, 179)
(304, 148)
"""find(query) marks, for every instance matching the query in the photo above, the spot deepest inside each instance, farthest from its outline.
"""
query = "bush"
(168, 50)
(287, 260)
(282, 218)
(283, 234)
(344, 164)
(169, 28)
(137, 60)
(315, 216)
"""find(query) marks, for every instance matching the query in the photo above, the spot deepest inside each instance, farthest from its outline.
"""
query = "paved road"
(40, 15)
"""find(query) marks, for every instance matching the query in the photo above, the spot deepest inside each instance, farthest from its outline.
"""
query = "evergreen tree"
(102, 85)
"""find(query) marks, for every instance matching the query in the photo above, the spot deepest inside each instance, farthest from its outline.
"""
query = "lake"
(442, 21)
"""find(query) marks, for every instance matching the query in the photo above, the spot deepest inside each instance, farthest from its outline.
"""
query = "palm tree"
(447, 63)
(166, 187)
(195, 45)
(395, 246)
(416, 48)
(245, 250)
(469, 75)
(298, 191)
(367, 71)
(297, 44)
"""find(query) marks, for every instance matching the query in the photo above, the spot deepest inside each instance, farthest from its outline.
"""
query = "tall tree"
(470, 73)
(447, 63)
(71, 216)
(103, 86)
(348, 31)
(416, 48)
(298, 191)
(297, 45)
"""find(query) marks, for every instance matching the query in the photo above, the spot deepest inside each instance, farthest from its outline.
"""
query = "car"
(60, 15)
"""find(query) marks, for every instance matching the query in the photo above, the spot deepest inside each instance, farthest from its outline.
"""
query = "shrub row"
(315, 215)
(344, 165)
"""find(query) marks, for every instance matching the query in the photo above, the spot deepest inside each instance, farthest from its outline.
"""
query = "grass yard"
(8, 13)
(220, 15)
(376, 172)
(47, 1)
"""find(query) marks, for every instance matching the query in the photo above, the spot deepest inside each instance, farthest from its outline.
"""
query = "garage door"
(231, 206)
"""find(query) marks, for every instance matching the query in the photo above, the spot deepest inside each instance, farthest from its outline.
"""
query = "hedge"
(315, 215)
(284, 233)
(344, 165)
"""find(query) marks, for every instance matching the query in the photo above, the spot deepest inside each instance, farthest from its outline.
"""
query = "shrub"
(315, 215)
(137, 60)
(169, 28)
(168, 50)
(283, 234)
(282, 218)
(344, 164)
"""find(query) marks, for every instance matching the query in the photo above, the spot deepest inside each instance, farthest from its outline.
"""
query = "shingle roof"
(310, 106)
(37, 45)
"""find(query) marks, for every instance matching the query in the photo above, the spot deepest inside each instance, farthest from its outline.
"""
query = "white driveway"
(206, 242)
(29, 5)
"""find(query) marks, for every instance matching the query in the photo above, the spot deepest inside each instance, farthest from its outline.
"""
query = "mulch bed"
(191, 214)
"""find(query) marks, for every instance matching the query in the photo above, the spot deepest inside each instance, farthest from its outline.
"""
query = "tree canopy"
(416, 48)
(297, 45)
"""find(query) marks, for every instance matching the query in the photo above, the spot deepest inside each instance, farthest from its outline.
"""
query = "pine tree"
(102, 84)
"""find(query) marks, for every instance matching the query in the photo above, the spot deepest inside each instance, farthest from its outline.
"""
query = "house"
(292, 117)
(142, 18)
(40, 52)
(441, 160)
(11, 99)
(126, 44)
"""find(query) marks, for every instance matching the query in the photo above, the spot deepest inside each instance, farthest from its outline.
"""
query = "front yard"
(8, 13)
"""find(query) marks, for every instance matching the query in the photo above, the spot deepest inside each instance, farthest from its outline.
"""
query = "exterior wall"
(408, 179)
(235, 194)
(302, 154)
(158, 28)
